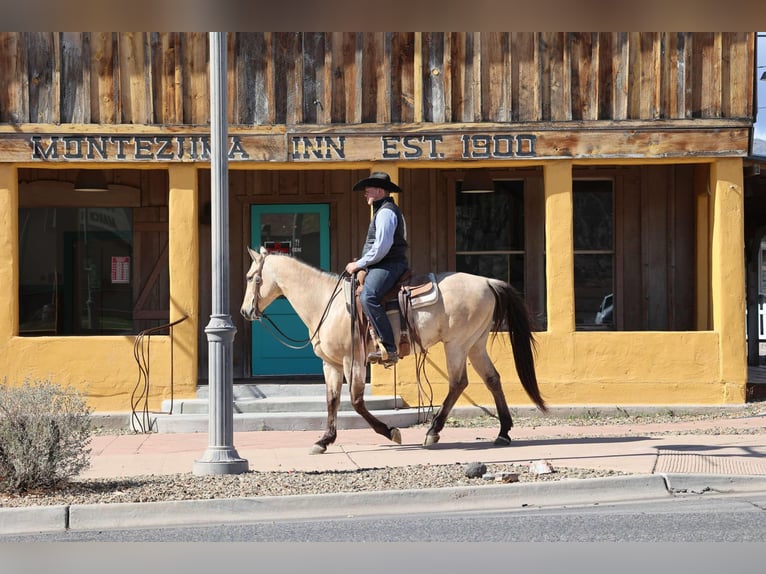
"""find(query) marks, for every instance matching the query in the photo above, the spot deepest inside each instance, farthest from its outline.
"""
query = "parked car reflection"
(605, 313)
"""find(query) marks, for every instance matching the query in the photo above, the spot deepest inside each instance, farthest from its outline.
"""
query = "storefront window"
(489, 238)
(75, 271)
(593, 227)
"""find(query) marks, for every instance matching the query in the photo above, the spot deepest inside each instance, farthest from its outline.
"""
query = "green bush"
(45, 433)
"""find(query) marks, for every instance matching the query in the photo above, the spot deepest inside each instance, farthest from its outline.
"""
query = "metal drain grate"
(673, 461)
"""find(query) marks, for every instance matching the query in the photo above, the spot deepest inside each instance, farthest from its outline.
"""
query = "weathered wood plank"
(707, 79)
(313, 76)
(670, 77)
(43, 81)
(288, 92)
(75, 78)
(555, 81)
(460, 74)
(648, 65)
(352, 64)
(605, 88)
(338, 91)
(495, 73)
(135, 78)
(196, 79)
(655, 98)
(104, 101)
(525, 45)
(325, 94)
(447, 79)
(583, 48)
(465, 64)
(14, 89)
(736, 84)
(402, 77)
(255, 78)
(620, 76)
(383, 76)
(165, 49)
(232, 78)
(433, 77)
(376, 90)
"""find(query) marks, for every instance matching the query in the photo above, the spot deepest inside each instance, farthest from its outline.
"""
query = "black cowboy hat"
(377, 179)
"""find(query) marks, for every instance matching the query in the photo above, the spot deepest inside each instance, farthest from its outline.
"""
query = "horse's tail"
(511, 312)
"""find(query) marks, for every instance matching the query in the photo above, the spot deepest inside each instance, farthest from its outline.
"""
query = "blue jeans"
(380, 279)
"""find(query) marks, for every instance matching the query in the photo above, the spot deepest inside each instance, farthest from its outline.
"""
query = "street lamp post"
(220, 457)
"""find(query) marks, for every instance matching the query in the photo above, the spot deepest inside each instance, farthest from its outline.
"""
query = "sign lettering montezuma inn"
(600, 142)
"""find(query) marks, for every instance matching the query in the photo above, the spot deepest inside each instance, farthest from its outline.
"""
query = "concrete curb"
(490, 497)
(508, 497)
(30, 520)
(715, 483)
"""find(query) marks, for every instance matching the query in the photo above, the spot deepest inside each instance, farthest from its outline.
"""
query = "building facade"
(615, 200)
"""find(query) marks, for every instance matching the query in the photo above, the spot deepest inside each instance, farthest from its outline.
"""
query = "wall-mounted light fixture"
(477, 181)
(90, 180)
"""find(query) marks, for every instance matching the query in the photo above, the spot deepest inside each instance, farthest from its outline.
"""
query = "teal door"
(302, 231)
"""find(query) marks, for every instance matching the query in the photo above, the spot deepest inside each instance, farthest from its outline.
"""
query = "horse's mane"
(304, 265)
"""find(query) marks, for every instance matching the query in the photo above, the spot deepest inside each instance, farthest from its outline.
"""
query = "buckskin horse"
(469, 307)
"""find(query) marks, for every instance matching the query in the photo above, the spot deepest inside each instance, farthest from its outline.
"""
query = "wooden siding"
(324, 78)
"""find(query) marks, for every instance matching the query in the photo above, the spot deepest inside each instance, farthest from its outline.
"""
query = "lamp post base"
(220, 460)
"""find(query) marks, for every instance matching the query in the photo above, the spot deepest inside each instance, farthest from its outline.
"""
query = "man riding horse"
(384, 258)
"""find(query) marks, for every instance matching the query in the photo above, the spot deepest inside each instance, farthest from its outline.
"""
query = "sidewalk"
(590, 447)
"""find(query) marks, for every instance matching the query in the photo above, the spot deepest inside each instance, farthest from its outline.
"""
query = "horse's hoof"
(502, 441)
(318, 449)
(431, 439)
(396, 436)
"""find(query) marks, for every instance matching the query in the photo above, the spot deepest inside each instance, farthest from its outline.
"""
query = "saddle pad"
(425, 294)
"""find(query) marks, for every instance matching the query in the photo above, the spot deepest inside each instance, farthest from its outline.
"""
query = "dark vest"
(398, 251)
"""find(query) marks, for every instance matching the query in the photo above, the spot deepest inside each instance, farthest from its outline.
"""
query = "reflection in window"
(75, 271)
(593, 226)
(489, 232)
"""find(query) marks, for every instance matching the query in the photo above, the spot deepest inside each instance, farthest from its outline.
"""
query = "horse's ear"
(252, 253)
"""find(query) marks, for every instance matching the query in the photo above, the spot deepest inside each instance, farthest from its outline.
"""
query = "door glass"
(295, 234)
(301, 231)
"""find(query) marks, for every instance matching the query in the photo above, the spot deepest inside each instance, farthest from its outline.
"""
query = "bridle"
(276, 332)
(257, 277)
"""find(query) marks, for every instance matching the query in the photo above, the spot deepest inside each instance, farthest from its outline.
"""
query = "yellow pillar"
(9, 253)
(728, 274)
(559, 270)
(183, 270)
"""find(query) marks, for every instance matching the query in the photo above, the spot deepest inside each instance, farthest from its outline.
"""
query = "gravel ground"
(153, 488)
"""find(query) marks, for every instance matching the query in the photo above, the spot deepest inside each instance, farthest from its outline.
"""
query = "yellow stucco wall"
(623, 368)
(104, 368)
(617, 368)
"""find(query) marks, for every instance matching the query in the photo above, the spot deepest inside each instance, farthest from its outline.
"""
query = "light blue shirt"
(385, 225)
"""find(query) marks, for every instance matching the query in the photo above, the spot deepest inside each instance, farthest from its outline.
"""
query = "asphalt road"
(693, 518)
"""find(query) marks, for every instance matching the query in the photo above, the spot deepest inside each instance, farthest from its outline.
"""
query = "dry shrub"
(45, 433)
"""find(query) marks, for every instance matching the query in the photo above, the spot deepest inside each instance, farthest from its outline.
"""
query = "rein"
(274, 329)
